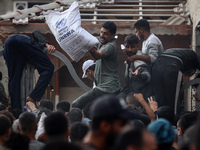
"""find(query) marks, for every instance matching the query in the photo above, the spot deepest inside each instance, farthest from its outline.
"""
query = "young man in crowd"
(28, 127)
(106, 70)
(137, 73)
(151, 45)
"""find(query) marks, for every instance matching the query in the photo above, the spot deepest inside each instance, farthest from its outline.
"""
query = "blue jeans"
(17, 50)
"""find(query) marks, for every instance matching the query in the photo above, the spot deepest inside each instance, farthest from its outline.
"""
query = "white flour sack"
(66, 27)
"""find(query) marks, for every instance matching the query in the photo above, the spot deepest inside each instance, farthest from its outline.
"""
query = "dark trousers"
(164, 79)
(17, 50)
(89, 97)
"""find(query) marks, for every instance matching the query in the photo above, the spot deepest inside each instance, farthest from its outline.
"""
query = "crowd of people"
(108, 123)
(141, 115)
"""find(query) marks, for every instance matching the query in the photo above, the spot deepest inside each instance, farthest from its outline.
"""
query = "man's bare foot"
(31, 100)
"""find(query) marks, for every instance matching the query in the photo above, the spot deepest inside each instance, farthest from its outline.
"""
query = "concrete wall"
(3, 69)
(6, 6)
(70, 93)
(194, 9)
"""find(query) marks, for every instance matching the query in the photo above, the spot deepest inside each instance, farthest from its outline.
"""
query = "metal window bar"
(27, 82)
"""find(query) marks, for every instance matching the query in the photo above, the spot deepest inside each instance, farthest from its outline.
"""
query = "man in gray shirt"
(106, 75)
(151, 46)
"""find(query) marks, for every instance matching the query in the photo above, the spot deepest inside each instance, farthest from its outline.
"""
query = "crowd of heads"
(111, 120)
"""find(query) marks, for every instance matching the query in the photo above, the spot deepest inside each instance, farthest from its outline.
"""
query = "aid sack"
(66, 28)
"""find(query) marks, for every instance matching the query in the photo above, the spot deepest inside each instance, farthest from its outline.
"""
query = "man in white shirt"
(151, 46)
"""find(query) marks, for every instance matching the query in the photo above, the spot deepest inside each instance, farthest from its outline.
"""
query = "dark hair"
(130, 100)
(4, 125)
(75, 115)
(92, 67)
(46, 104)
(142, 23)
(17, 141)
(63, 106)
(16, 112)
(145, 119)
(9, 115)
(60, 145)
(78, 131)
(167, 113)
(27, 122)
(96, 121)
(111, 26)
(187, 120)
(55, 124)
(131, 137)
(137, 124)
(131, 39)
(165, 146)
(2, 107)
(43, 110)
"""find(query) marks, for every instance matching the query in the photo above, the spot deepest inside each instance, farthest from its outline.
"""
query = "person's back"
(56, 127)
(189, 59)
(28, 127)
(109, 115)
(78, 131)
(60, 145)
(167, 73)
(17, 141)
(74, 115)
(130, 138)
(136, 138)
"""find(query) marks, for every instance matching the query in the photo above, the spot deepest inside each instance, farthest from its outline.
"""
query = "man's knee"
(49, 70)
(76, 104)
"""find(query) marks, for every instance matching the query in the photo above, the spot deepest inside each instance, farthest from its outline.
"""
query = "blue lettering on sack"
(61, 23)
(62, 30)
(66, 35)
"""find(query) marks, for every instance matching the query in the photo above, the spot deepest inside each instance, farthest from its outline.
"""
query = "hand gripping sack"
(66, 27)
